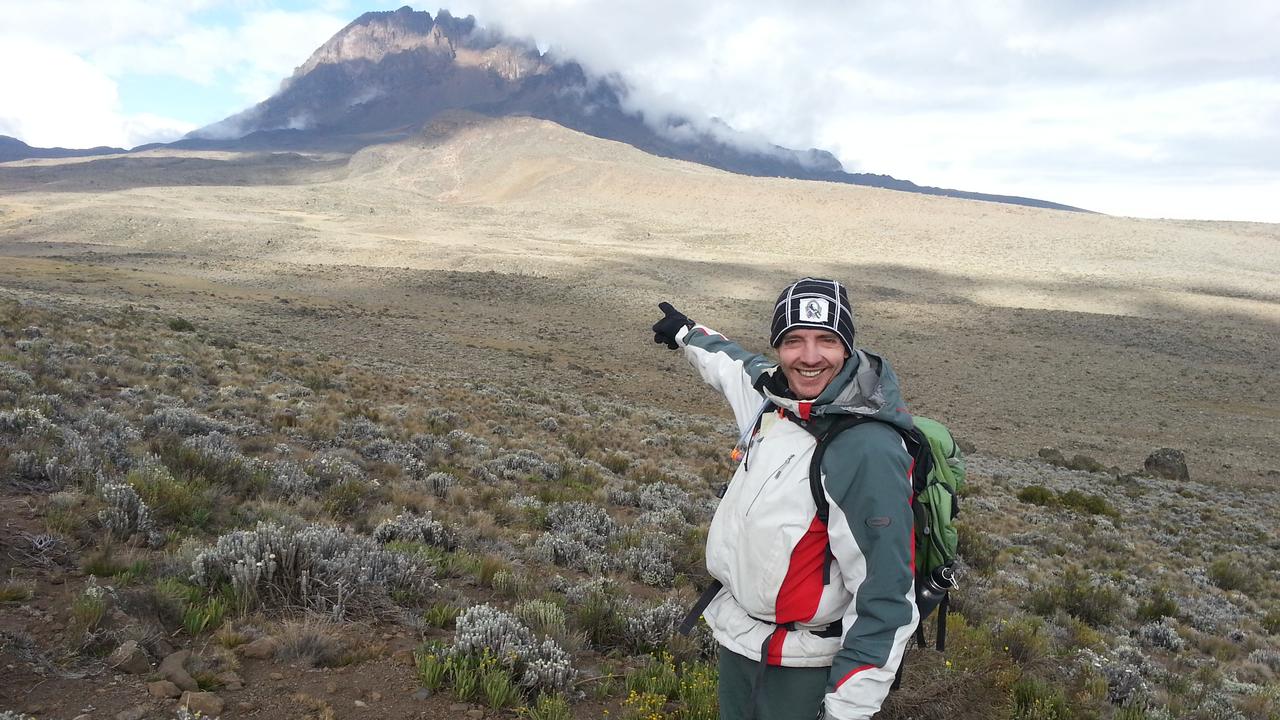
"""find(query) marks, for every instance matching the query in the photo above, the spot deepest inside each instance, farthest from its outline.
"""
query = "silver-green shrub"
(14, 379)
(517, 466)
(542, 666)
(290, 481)
(318, 567)
(651, 628)
(584, 521)
(25, 421)
(125, 513)
(543, 617)
(570, 552)
(109, 435)
(331, 468)
(440, 482)
(651, 560)
(182, 421)
(416, 528)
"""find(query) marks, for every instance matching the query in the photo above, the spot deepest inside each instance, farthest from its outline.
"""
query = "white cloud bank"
(69, 103)
(62, 62)
(1128, 107)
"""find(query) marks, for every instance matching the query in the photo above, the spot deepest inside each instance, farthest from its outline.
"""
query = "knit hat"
(813, 303)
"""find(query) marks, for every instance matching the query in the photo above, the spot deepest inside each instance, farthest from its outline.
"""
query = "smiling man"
(812, 618)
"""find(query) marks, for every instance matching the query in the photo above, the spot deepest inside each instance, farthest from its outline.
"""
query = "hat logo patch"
(815, 309)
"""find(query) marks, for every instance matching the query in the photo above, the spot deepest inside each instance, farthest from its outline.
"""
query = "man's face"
(810, 359)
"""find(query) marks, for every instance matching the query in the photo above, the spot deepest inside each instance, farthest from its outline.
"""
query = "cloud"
(70, 103)
(253, 55)
(994, 97)
(79, 52)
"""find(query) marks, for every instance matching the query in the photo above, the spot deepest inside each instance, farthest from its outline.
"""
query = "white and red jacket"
(845, 589)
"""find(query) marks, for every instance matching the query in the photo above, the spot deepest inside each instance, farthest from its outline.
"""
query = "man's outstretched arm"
(722, 363)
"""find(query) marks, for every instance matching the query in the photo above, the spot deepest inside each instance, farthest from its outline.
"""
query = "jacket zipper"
(773, 476)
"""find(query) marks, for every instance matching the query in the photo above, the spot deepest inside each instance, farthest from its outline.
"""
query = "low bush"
(1231, 573)
(188, 502)
(317, 567)
(540, 666)
(416, 528)
(15, 591)
(1159, 605)
(314, 642)
(1271, 621)
(1087, 503)
(1079, 595)
(1037, 495)
(549, 706)
(89, 608)
(1037, 700)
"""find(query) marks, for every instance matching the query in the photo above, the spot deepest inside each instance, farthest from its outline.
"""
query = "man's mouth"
(809, 373)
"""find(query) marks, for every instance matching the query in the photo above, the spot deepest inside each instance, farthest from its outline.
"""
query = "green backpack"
(937, 475)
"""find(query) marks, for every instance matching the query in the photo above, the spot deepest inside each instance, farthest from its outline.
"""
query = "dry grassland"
(486, 244)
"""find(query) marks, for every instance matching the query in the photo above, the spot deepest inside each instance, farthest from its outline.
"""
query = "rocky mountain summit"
(387, 74)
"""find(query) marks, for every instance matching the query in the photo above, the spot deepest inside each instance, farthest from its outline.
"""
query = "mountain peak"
(375, 35)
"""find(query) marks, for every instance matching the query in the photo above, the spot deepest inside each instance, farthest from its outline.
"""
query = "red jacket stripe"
(853, 672)
(801, 589)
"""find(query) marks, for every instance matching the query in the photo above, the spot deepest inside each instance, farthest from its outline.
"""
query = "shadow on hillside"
(125, 173)
(1149, 311)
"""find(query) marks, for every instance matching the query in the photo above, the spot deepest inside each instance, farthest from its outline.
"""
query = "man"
(811, 618)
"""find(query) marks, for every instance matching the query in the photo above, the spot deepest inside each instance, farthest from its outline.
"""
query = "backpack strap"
(815, 465)
(700, 607)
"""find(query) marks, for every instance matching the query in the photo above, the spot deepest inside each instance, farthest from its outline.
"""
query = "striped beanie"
(813, 303)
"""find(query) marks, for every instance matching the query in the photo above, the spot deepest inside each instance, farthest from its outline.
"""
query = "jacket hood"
(866, 385)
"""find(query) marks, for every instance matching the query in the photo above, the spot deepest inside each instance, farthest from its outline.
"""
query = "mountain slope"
(12, 148)
(387, 73)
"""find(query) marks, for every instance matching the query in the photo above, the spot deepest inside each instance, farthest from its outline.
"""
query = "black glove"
(666, 329)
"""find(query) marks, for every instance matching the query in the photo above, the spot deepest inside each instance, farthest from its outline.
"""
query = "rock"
(83, 716)
(1053, 456)
(32, 332)
(331, 687)
(422, 694)
(276, 676)
(134, 713)
(130, 658)
(1167, 463)
(375, 696)
(459, 708)
(174, 669)
(404, 657)
(205, 703)
(1085, 463)
(475, 714)
(361, 704)
(263, 648)
(163, 689)
(162, 647)
(230, 680)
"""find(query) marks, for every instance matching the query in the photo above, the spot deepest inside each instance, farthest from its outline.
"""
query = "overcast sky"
(1151, 108)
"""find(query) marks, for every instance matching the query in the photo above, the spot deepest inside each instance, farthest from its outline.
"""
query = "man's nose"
(811, 356)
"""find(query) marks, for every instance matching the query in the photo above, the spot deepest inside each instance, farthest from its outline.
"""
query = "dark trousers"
(786, 693)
